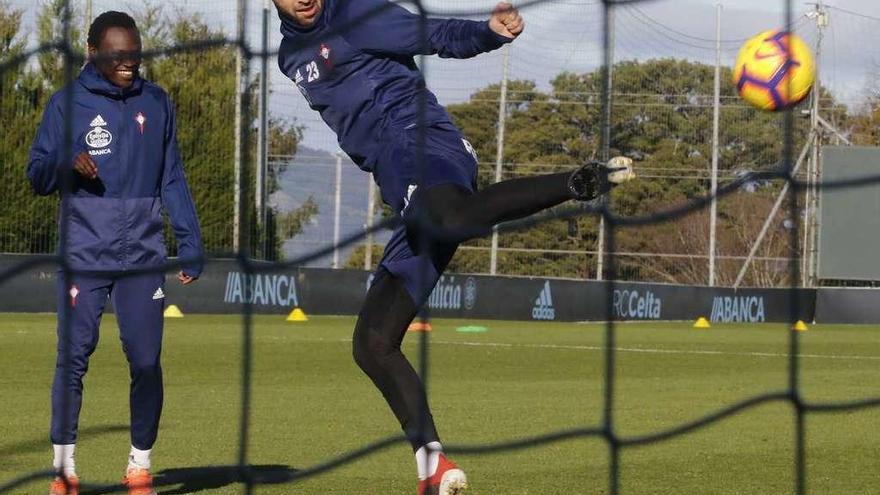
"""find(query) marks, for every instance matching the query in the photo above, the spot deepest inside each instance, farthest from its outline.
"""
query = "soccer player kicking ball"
(123, 168)
(353, 60)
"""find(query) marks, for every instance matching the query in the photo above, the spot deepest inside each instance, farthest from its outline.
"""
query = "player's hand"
(185, 279)
(85, 166)
(506, 20)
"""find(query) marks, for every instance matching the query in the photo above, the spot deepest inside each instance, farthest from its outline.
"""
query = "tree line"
(201, 83)
(662, 117)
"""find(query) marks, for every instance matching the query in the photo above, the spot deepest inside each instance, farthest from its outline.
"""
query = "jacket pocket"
(93, 233)
(145, 226)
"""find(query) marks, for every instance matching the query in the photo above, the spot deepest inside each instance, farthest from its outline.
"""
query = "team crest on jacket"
(98, 137)
(141, 120)
(325, 54)
(74, 291)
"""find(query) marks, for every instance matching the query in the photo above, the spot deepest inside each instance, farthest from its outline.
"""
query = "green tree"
(662, 117)
(28, 222)
(17, 118)
(201, 82)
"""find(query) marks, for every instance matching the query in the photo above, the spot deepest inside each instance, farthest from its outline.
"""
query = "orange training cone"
(418, 326)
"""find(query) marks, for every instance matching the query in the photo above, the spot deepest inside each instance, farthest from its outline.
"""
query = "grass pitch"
(311, 403)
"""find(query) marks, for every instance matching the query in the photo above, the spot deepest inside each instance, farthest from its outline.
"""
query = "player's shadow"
(197, 479)
(180, 481)
(42, 443)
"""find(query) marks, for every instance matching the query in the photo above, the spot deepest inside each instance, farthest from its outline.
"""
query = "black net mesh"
(251, 476)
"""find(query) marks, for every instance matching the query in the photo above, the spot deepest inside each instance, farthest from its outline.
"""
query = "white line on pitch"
(619, 349)
(653, 351)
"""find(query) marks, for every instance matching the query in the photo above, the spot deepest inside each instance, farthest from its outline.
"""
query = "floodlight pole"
(371, 209)
(811, 230)
(263, 138)
(499, 154)
(713, 210)
(606, 135)
(239, 82)
(338, 210)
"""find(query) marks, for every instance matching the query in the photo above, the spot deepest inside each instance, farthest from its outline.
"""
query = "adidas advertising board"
(543, 308)
(225, 287)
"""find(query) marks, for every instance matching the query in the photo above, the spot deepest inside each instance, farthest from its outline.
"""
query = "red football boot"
(447, 480)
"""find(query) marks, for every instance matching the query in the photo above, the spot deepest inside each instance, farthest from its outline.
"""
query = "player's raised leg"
(139, 301)
(456, 214)
(84, 298)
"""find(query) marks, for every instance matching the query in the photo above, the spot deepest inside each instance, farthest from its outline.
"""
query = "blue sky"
(566, 35)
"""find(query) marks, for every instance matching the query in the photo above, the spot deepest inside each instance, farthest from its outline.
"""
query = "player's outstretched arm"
(178, 202)
(382, 27)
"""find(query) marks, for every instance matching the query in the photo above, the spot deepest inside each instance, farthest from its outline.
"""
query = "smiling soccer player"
(124, 168)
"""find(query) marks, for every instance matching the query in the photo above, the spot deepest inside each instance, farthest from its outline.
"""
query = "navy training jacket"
(356, 66)
(115, 221)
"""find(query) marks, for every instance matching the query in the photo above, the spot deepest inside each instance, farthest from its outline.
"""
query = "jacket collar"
(93, 81)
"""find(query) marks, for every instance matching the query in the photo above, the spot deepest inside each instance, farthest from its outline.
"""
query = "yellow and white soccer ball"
(774, 70)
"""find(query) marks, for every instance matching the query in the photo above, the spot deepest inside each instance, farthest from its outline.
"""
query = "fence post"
(499, 155)
(713, 210)
(811, 218)
(239, 82)
(263, 137)
(371, 208)
(337, 213)
(606, 136)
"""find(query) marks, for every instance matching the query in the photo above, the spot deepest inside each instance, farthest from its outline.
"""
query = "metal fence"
(544, 149)
(301, 202)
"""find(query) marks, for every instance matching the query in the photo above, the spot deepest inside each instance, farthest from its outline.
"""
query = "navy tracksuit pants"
(138, 302)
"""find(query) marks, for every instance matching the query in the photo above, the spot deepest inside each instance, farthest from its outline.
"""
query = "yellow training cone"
(418, 326)
(701, 323)
(297, 315)
(173, 311)
(800, 326)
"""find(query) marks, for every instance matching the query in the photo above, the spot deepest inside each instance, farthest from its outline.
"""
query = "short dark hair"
(107, 20)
